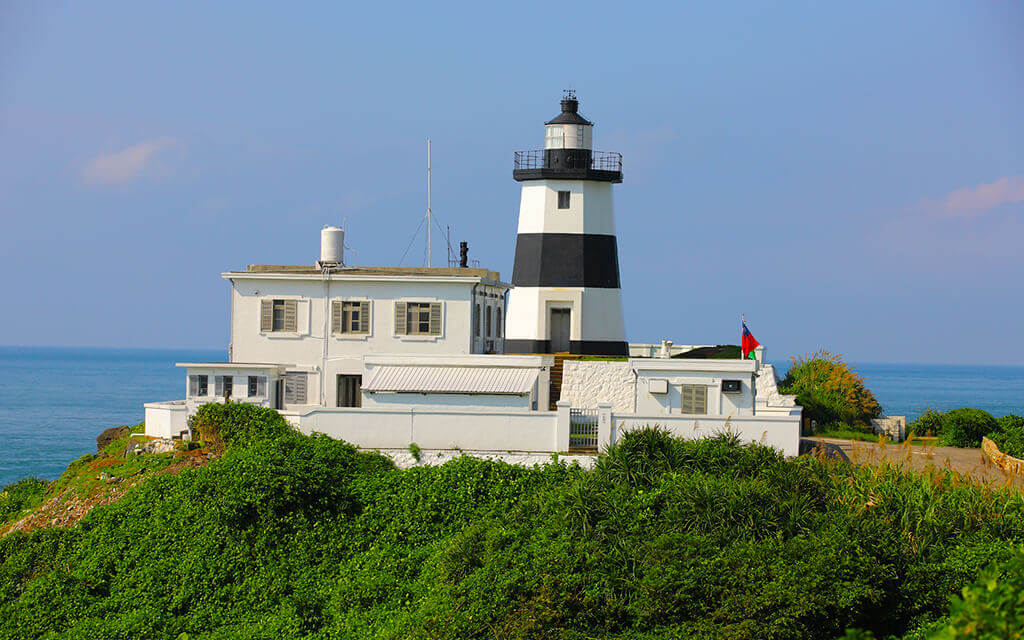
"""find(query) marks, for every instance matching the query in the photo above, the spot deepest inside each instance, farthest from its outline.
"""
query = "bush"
(990, 609)
(289, 536)
(928, 424)
(1010, 436)
(829, 390)
(237, 423)
(21, 494)
(965, 427)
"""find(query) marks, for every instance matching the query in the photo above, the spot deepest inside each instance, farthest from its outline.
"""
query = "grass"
(845, 433)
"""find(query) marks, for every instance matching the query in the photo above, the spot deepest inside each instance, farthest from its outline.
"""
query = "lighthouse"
(566, 296)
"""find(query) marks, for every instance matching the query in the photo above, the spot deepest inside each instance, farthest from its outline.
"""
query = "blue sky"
(849, 175)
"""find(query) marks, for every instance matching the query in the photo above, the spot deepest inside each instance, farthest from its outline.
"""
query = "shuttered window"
(350, 316)
(476, 320)
(223, 386)
(694, 398)
(198, 386)
(295, 387)
(257, 386)
(497, 323)
(279, 315)
(418, 318)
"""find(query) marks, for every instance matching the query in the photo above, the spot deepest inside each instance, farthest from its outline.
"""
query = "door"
(349, 391)
(560, 330)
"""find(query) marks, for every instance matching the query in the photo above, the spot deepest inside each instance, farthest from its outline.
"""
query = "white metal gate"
(582, 429)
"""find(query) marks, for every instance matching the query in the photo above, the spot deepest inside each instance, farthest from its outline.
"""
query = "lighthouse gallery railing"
(536, 159)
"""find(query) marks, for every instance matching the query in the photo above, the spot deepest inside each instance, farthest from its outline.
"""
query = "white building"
(387, 357)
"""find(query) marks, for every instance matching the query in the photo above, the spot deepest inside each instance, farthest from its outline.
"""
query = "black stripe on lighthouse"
(566, 260)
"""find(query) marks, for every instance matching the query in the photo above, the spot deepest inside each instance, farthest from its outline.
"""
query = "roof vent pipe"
(463, 254)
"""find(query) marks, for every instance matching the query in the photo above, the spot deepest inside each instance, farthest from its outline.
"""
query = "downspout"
(473, 319)
(327, 319)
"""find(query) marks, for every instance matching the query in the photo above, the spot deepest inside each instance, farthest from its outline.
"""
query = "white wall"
(432, 428)
(591, 207)
(781, 432)
(680, 371)
(529, 315)
(166, 419)
(586, 383)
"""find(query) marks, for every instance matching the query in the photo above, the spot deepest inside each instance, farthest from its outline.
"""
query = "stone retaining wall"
(1005, 462)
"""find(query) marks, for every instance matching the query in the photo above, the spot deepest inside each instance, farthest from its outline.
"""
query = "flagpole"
(743, 323)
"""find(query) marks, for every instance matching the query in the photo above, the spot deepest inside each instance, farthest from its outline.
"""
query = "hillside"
(289, 536)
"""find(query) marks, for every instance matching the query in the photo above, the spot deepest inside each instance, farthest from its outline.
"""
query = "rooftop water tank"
(332, 245)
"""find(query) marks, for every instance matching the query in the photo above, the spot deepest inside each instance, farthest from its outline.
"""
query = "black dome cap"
(570, 111)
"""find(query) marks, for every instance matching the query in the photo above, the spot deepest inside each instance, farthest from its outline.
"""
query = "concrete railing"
(780, 432)
(1002, 460)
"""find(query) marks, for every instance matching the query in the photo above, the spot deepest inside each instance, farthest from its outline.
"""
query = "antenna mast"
(428, 203)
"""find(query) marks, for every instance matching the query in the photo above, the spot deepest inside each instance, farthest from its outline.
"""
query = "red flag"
(749, 343)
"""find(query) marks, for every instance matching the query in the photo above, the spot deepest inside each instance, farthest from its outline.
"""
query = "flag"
(749, 343)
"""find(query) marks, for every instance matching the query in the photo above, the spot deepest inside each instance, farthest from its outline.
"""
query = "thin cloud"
(970, 202)
(121, 167)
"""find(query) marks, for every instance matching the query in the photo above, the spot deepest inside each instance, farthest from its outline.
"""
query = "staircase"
(555, 389)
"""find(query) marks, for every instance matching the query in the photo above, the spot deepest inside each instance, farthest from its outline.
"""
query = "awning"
(493, 380)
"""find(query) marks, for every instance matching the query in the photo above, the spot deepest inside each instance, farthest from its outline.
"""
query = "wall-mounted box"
(657, 385)
(731, 386)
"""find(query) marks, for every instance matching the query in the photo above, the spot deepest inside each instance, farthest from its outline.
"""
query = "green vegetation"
(965, 427)
(720, 352)
(846, 433)
(928, 423)
(291, 536)
(1010, 435)
(829, 390)
(18, 496)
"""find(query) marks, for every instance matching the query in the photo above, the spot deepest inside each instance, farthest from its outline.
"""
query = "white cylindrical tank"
(332, 245)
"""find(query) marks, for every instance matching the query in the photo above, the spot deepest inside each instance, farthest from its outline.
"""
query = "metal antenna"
(428, 202)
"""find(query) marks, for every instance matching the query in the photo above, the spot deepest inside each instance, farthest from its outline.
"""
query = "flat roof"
(471, 272)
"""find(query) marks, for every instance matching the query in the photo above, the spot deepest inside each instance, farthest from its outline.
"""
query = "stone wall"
(585, 383)
(1005, 462)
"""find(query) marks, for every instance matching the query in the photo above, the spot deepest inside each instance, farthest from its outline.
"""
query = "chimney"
(463, 254)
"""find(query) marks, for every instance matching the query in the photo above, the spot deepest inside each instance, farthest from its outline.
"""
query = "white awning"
(494, 380)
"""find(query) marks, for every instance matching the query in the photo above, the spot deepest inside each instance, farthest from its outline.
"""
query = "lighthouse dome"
(569, 130)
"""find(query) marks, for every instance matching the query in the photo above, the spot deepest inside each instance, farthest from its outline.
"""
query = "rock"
(109, 435)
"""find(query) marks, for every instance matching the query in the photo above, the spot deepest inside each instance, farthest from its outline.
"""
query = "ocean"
(55, 401)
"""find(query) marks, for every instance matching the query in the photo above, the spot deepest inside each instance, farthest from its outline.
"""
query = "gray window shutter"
(266, 315)
(400, 319)
(700, 399)
(193, 386)
(295, 388)
(218, 386)
(435, 318)
(336, 317)
(261, 386)
(364, 316)
(291, 315)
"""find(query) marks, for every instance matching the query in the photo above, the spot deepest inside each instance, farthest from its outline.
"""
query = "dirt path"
(970, 462)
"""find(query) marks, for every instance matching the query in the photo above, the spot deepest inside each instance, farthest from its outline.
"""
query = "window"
(694, 398)
(349, 391)
(350, 316)
(554, 138)
(476, 320)
(295, 387)
(257, 386)
(418, 318)
(490, 314)
(563, 199)
(279, 315)
(497, 323)
(198, 386)
(223, 386)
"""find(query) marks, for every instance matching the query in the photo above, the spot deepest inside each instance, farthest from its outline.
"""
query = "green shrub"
(16, 496)
(829, 390)
(415, 451)
(1010, 435)
(237, 423)
(965, 427)
(990, 609)
(927, 424)
(289, 536)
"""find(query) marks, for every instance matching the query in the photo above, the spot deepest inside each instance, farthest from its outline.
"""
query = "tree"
(829, 390)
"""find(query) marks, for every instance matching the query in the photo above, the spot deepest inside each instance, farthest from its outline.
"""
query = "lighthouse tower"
(566, 295)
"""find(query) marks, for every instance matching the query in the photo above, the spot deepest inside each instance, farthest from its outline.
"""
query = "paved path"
(971, 462)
